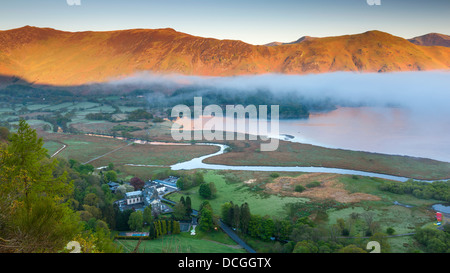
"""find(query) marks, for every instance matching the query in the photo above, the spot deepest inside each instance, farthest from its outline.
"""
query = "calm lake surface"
(375, 129)
(386, 130)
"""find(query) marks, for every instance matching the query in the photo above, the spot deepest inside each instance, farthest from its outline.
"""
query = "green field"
(84, 148)
(239, 193)
(163, 155)
(185, 243)
(52, 147)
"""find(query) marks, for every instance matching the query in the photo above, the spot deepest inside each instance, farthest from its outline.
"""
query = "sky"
(251, 21)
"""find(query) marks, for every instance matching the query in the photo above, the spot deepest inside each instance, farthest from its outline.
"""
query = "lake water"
(442, 208)
(385, 130)
(375, 129)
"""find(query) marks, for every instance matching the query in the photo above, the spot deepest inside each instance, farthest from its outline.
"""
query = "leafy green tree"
(198, 178)
(94, 211)
(181, 184)
(206, 222)
(148, 217)
(282, 229)
(111, 176)
(383, 240)
(84, 168)
(306, 247)
(91, 199)
(267, 228)
(213, 190)
(136, 221)
(255, 226)
(352, 249)
(225, 213)
(433, 240)
(4, 133)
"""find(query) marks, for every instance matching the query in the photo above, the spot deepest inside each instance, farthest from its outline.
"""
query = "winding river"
(197, 163)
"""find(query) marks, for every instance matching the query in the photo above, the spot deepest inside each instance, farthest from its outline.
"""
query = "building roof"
(133, 193)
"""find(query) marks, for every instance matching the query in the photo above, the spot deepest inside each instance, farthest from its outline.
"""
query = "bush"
(345, 232)
(299, 188)
(313, 184)
(390, 231)
(274, 175)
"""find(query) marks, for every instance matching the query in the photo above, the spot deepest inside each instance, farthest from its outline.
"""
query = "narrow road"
(60, 150)
(365, 237)
(235, 238)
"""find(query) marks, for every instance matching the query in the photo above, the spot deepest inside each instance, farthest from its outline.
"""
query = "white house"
(134, 197)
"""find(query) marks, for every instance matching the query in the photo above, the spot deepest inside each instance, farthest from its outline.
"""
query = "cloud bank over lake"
(419, 91)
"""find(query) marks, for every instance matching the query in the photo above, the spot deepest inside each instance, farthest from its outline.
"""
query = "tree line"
(439, 190)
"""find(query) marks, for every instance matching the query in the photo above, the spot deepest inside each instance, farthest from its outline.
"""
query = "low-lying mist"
(420, 92)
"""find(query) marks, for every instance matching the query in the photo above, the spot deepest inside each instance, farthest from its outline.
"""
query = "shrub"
(390, 231)
(299, 188)
(274, 175)
(313, 184)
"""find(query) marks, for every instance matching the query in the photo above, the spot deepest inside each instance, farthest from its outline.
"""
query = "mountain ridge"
(431, 39)
(49, 56)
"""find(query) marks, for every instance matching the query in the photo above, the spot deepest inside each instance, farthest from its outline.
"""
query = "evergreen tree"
(35, 215)
(236, 216)
(244, 217)
(205, 191)
(176, 227)
(152, 231)
(163, 227)
(225, 213)
(188, 206)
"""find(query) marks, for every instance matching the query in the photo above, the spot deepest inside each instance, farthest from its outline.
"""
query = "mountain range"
(432, 39)
(49, 56)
